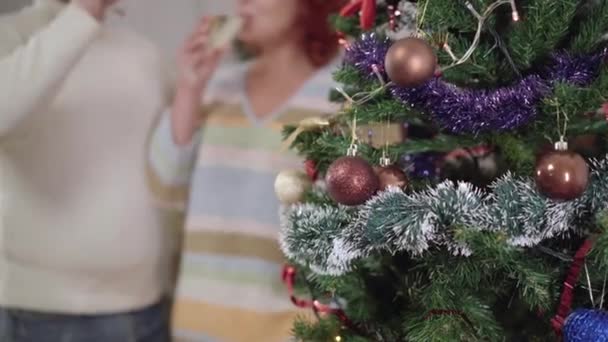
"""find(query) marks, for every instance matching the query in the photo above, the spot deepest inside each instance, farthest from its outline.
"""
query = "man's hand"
(96, 8)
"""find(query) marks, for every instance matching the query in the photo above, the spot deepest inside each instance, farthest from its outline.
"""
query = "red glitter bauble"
(351, 181)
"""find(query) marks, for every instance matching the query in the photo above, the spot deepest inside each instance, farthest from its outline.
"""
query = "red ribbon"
(289, 278)
(565, 303)
(468, 153)
(367, 9)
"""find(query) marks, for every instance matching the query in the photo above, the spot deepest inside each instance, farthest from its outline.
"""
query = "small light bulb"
(515, 16)
(514, 13)
(338, 338)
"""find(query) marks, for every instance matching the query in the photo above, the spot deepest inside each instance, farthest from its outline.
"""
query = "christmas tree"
(462, 189)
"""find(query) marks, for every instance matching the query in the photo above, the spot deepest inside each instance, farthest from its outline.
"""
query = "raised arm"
(197, 62)
(29, 73)
(173, 142)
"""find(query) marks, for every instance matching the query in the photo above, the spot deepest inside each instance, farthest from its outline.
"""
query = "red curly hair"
(319, 40)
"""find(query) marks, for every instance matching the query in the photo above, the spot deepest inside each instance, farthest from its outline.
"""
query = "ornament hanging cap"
(385, 161)
(561, 145)
(352, 150)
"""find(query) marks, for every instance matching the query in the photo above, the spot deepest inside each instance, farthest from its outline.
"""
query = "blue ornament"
(584, 325)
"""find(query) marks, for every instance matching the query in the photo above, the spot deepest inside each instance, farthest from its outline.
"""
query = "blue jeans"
(146, 325)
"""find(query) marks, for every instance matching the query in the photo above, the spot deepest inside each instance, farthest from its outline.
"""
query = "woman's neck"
(275, 76)
(285, 60)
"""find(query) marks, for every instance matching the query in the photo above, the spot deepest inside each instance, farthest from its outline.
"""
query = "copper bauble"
(391, 175)
(410, 62)
(562, 175)
(351, 181)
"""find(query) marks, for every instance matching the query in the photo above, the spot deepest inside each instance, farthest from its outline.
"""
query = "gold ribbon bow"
(306, 125)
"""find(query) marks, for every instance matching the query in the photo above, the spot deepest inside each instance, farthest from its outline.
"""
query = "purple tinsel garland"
(367, 52)
(460, 110)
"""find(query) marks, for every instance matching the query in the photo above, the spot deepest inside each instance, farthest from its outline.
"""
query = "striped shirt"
(230, 286)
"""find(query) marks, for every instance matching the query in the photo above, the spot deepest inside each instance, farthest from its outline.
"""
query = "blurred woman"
(230, 287)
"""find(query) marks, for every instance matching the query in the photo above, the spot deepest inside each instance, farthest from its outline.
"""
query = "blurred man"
(85, 251)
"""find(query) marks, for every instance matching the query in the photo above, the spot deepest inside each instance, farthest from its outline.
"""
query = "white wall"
(11, 5)
(166, 22)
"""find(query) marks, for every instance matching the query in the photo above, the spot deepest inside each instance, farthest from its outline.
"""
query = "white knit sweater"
(79, 232)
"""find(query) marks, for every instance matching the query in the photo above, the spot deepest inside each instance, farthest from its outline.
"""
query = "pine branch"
(592, 28)
(471, 320)
(348, 75)
(480, 71)
(575, 100)
(493, 255)
(444, 16)
(544, 24)
(599, 254)
(518, 151)
(326, 146)
(383, 110)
